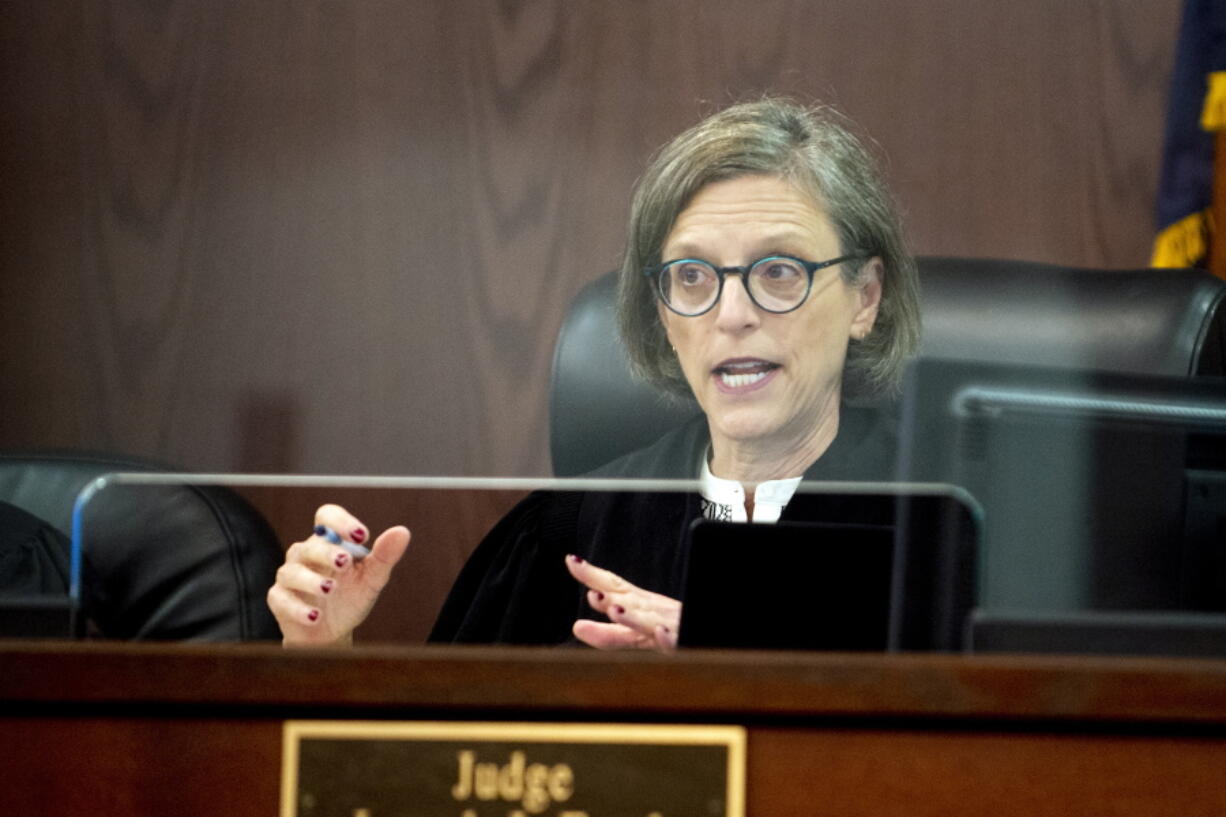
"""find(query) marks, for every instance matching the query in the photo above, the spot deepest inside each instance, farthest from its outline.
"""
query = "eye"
(691, 274)
(779, 270)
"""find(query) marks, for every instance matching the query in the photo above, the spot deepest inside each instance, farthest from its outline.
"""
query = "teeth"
(736, 381)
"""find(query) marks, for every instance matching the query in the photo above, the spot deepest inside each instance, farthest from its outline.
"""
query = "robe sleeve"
(515, 588)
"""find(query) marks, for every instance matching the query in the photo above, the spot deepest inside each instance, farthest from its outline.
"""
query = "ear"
(868, 298)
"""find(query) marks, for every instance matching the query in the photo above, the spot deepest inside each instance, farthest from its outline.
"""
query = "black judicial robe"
(515, 588)
(33, 555)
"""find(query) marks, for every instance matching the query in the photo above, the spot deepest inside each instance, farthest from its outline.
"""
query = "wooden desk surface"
(94, 675)
(184, 729)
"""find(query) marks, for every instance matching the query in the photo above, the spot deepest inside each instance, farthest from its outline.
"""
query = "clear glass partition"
(1032, 509)
(859, 566)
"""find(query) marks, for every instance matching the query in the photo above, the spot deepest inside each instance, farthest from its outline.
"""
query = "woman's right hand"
(322, 593)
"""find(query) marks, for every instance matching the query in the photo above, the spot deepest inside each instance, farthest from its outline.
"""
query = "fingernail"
(313, 615)
(599, 596)
(358, 535)
(342, 559)
(326, 586)
(576, 559)
(621, 611)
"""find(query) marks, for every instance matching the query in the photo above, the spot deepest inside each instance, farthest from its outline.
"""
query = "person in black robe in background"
(766, 275)
(34, 555)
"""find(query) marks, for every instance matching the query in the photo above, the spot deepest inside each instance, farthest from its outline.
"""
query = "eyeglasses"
(777, 283)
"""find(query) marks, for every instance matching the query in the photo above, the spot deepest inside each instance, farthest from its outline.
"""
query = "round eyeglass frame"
(721, 273)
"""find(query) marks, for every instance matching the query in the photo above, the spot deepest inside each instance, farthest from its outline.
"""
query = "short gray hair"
(815, 149)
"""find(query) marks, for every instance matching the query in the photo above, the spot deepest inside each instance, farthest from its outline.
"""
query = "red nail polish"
(313, 615)
(599, 596)
(621, 611)
(326, 586)
(576, 559)
(358, 535)
(342, 559)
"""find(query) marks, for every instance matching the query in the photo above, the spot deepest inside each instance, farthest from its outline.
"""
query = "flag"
(1196, 112)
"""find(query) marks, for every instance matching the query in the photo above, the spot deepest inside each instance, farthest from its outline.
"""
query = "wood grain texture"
(183, 765)
(340, 237)
(827, 734)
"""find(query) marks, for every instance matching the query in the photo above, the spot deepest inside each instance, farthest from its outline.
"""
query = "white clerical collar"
(724, 499)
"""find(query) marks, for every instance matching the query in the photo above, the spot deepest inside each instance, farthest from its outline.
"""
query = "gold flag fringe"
(1184, 243)
(1213, 115)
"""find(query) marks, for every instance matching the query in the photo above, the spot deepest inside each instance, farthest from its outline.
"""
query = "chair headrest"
(1145, 321)
(165, 562)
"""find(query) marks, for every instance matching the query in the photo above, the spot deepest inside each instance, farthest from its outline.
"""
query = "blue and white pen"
(356, 551)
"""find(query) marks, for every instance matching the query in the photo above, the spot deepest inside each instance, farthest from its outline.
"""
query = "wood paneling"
(189, 730)
(192, 766)
(340, 237)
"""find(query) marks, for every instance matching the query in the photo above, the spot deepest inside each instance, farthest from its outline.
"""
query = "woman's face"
(766, 378)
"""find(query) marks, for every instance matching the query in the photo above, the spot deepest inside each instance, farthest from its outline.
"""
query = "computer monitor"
(854, 567)
(1104, 494)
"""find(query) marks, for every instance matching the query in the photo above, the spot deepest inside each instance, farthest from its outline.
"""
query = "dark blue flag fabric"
(1197, 110)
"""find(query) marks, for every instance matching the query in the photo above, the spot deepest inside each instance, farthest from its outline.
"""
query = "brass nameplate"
(434, 769)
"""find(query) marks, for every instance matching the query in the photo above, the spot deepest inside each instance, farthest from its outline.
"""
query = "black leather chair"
(1147, 321)
(166, 562)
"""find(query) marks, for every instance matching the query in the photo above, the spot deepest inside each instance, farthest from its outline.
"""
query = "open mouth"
(737, 374)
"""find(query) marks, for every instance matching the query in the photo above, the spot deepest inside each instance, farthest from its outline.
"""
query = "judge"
(766, 275)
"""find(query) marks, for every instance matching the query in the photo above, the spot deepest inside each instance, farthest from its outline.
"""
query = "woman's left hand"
(638, 619)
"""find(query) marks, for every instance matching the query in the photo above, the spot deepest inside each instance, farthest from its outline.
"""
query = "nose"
(735, 311)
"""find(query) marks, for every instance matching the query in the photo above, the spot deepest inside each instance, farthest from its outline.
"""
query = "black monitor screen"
(1101, 492)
